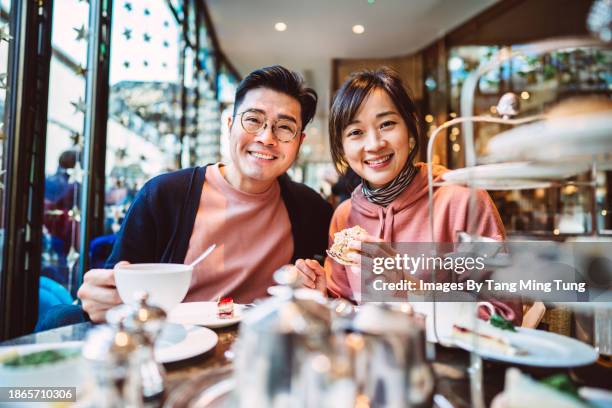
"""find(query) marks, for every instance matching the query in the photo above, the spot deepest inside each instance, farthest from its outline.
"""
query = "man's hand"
(313, 275)
(98, 293)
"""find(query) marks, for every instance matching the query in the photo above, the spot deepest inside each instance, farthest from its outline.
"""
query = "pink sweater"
(407, 220)
(253, 237)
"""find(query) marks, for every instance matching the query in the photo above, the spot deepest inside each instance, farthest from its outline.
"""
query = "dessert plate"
(501, 185)
(514, 171)
(179, 342)
(176, 342)
(68, 372)
(581, 138)
(543, 349)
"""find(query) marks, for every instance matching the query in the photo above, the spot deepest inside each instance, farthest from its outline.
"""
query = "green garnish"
(564, 384)
(40, 357)
(501, 323)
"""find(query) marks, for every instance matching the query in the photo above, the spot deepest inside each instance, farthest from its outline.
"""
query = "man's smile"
(262, 155)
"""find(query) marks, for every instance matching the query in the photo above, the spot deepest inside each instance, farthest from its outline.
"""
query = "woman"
(374, 129)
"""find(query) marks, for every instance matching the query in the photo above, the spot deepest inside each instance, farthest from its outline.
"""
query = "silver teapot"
(388, 354)
(282, 355)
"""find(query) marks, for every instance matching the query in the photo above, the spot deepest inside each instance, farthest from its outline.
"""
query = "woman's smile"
(379, 162)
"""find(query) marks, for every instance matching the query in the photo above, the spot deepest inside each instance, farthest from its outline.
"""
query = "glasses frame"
(265, 126)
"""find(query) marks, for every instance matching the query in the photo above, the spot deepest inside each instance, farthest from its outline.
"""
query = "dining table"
(451, 367)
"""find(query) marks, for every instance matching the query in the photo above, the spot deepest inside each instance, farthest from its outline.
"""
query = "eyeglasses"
(253, 121)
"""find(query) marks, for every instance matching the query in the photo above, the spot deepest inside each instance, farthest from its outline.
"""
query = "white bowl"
(166, 284)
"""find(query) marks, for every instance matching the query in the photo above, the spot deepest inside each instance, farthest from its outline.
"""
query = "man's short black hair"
(282, 80)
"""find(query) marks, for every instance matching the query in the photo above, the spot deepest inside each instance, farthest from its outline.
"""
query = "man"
(259, 219)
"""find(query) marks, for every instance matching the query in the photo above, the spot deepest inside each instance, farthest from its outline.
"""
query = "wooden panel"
(521, 21)
(410, 69)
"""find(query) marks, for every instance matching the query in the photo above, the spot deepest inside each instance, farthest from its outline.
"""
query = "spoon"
(204, 255)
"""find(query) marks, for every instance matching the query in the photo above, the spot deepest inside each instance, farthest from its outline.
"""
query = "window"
(163, 112)
(63, 164)
(5, 37)
(540, 81)
(143, 137)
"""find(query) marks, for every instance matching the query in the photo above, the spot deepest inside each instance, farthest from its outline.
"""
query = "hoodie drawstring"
(381, 219)
(385, 223)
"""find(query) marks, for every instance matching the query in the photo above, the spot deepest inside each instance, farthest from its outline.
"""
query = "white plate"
(203, 314)
(545, 349)
(520, 390)
(513, 171)
(179, 342)
(502, 185)
(31, 348)
(577, 137)
(598, 397)
(65, 373)
(176, 342)
(300, 293)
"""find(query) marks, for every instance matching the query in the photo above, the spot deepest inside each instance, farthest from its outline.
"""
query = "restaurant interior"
(97, 97)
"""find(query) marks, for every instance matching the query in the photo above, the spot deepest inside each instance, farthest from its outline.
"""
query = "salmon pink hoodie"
(406, 219)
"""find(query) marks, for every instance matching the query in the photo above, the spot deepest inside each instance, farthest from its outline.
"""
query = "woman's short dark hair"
(282, 80)
(354, 92)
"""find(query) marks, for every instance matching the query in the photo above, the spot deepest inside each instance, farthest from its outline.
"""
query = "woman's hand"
(381, 249)
(313, 275)
(98, 293)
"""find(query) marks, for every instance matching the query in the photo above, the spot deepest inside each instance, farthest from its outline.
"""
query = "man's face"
(260, 157)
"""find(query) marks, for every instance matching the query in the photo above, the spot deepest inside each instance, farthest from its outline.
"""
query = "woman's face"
(376, 144)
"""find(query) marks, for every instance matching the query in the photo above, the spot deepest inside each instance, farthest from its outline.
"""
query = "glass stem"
(475, 371)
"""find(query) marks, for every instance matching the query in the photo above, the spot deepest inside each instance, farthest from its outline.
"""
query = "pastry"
(340, 248)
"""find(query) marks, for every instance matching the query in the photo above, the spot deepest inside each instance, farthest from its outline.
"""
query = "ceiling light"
(280, 26)
(358, 29)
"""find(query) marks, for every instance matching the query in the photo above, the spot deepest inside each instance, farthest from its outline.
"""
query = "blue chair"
(50, 295)
(55, 307)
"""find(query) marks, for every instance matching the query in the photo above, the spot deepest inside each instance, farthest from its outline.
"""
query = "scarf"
(385, 195)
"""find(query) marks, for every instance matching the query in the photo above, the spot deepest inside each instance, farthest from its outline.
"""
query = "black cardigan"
(158, 225)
